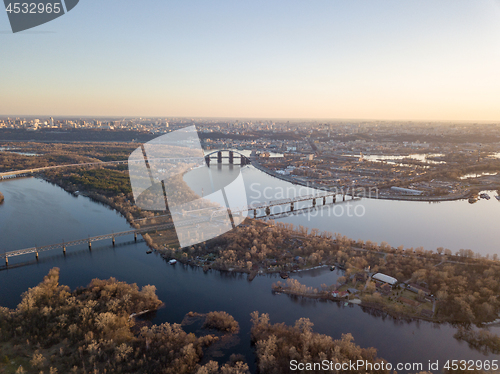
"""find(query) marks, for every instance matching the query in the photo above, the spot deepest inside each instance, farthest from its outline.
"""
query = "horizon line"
(471, 121)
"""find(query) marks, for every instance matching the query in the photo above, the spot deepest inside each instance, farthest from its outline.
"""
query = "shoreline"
(465, 195)
(363, 304)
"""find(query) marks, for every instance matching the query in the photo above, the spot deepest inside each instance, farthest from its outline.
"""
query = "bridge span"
(220, 155)
(326, 198)
(231, 155)
(64, 245)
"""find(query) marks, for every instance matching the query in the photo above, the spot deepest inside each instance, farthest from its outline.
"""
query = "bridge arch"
(244, 160)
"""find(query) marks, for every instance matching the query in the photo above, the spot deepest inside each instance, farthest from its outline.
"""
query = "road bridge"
(325, 198)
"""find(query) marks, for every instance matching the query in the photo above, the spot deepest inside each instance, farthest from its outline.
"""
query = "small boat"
(172, 262)
(484, 196)
(472, 200)
(284, 275)
(497, 197)
(332, 268)
(149, 251)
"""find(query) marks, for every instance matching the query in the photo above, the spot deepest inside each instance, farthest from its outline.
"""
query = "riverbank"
(451, 197)
(356, 300)
(376, 195)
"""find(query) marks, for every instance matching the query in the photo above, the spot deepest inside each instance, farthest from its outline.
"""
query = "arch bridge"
(227, 154)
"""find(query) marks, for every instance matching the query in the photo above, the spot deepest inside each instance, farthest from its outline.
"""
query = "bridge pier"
(64, 249)
(324, 200)
(334, 198)
(314, 202)
(231, 157)
(135, 237)
(113, 240)
(90, 245)
(6, 261)
(291, 207)
(343, 196)
(268, 211)
(219, 157)
(36, 254)
(255, 213)
(207, 160)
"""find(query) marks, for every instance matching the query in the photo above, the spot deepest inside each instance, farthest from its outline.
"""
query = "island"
(94, 329)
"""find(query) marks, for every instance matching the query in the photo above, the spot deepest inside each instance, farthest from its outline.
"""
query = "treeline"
(481, 340)
(91, 329)
(465, 285)
(104, 181)
(221, 321)
(278, 344)
(13, 161)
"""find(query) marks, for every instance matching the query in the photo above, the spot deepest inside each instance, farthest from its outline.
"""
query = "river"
(448, 224)
(36, 212)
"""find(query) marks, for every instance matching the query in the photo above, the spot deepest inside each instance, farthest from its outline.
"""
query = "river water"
(448, 224)
(36, 212)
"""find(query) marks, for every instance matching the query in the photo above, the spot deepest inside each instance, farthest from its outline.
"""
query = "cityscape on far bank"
(405, 160)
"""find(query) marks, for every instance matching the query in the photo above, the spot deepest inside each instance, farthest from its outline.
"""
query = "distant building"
(382, 278)
(340, 294)
(407, 191)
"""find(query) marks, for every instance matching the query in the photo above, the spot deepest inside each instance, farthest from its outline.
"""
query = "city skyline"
(417, 61)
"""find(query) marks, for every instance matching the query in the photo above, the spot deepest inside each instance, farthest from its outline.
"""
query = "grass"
(10, 359)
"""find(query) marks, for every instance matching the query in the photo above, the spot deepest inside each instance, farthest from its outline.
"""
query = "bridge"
(219, 156)
(230, 155)
(317, 200)
(28, 172)
(90, 240)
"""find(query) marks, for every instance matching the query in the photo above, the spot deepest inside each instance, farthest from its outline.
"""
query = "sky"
(339, 59)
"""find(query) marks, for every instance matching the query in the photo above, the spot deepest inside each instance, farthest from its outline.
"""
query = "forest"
(93, 330)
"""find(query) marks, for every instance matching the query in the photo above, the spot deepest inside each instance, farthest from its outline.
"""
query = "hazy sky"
(374, 59)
